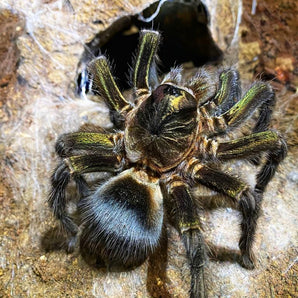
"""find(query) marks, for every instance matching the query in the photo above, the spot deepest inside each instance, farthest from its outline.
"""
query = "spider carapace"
(166, 119)
(167, 140)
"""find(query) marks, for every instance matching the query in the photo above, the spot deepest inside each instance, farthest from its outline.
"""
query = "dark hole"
(185, 37)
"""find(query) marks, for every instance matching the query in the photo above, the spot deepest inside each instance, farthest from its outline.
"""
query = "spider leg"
(214, 103)
(246, 147)
(204, 88)
(145, 72)
(102, 158)
(246, 200)
(87, 142)
(229, 91)
(183, 214)
(260, 97)
(104, 85)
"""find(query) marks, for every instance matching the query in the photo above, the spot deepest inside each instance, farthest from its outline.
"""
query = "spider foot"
(71, 244)
(256, 160)
(61, 147)
(247, 262)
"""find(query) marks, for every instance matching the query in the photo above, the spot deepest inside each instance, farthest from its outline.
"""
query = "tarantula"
(165, 144)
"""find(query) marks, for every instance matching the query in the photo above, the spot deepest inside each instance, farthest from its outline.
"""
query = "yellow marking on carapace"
(175, 102)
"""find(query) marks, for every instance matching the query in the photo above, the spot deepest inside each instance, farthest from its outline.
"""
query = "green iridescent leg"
(87, 142)
(229, 91)
(260, 97)
(145, 73)
(100, 157)
(104, 85)
(247, 202)
(247, 147)
(183, 215)
(214, 103)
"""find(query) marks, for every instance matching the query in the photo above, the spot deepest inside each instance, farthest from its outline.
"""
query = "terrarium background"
(40, 47)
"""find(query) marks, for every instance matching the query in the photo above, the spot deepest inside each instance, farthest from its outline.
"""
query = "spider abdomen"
(161, 130)
(122, 220)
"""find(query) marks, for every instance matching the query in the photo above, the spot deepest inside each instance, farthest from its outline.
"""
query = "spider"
(166, 142)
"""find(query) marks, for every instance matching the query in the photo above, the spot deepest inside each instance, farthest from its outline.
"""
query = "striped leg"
(204, 87)
(247, 201)
(247, 147)
(72, 147)
(78, 143)
(183, 214)
(103, 84)
(259, 97)
(145, 72)
(229, 92)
